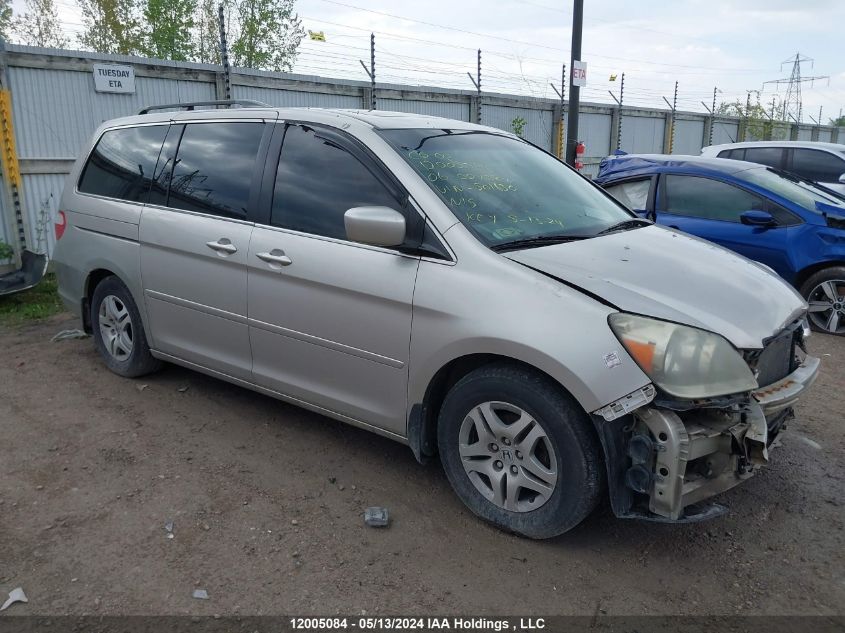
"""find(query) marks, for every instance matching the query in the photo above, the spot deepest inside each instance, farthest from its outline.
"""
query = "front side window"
(817, 165)
(787, 186)
(633, 194)
(214, 166)
(122, 163)
(708, 199)
(318, 181)
(503, 189)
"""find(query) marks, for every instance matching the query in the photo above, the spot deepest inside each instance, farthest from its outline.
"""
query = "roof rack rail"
(248, 103)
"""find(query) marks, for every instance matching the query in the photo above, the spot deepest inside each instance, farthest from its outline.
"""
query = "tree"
(5, 18)
(207, 30)
(760, 126)
(268, 34)
(39, 25)
(838, 122)
(111, 26)
(167, 29)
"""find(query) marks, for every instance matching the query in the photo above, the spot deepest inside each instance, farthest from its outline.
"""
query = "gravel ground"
(266, 502)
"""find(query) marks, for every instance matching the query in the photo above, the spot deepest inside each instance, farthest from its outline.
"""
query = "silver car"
(443, 284)
(823, 163)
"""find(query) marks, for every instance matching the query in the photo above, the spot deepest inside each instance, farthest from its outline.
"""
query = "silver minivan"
(444, 284)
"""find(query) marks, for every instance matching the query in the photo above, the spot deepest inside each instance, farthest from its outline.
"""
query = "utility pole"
(793, 105)
(619, 117)
(371, 71)
(747, 116)
(562, 95)
(575, 94)
(674, 106)
(224, 54)
(477, 83)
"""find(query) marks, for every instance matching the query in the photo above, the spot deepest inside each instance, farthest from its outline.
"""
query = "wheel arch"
(94, 278)
(804, 274)
(422, 420)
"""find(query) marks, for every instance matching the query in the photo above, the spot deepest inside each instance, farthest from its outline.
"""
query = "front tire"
(824, 291)
(118, 332)
(519, 451)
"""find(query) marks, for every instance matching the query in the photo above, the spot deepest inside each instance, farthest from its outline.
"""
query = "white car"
(823, 163)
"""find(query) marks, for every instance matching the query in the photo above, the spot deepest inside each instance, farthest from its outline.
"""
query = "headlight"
(683, 361)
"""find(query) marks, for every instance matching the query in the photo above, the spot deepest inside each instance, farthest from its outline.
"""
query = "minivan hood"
(673, 276)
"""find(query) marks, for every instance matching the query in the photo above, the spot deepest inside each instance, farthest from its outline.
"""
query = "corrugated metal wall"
(594, 130)
(725, 132)
(825, 135)
(805, 133)
(642, 135)
(56, 109)
(449, 110)
(538, 123)
(689, 135)
(294, 98)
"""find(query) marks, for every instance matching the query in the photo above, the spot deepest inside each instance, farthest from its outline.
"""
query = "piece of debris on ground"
(376, 517)
(15, 595)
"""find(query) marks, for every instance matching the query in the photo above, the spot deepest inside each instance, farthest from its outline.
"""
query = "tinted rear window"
(214, 168)
(122, 164)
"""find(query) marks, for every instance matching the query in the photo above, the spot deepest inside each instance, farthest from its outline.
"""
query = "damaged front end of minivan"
(705, 423)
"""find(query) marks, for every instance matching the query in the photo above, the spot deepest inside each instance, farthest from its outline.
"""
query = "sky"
(732, 45)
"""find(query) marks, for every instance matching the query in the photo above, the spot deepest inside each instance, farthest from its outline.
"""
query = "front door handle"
(223, 245)
(275, 257)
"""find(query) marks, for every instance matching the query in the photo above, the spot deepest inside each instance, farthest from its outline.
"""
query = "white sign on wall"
(114, 78)
(579, 74)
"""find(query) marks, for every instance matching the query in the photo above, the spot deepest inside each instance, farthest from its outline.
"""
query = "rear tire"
(118, 332)
(825, 292)
(519, 451)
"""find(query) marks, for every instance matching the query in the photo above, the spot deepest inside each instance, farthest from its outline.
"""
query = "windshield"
(794, 189)
(504, 189)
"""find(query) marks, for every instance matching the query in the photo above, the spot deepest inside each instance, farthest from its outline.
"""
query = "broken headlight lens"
(683, 361)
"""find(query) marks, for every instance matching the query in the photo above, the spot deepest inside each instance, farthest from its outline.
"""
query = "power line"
(520, 42)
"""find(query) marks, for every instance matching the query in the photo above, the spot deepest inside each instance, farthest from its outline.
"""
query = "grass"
(33, 304)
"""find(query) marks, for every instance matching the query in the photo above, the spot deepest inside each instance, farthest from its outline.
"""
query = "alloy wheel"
(827, 306)
(508, 456)
(116, 327)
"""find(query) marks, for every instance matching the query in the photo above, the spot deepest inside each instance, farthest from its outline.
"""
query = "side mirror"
(377, 226)
(842, 179)
(756, 217)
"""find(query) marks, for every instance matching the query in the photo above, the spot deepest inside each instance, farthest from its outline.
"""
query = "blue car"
(770, 216)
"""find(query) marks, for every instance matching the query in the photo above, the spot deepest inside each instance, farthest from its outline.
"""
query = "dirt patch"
(267, 504)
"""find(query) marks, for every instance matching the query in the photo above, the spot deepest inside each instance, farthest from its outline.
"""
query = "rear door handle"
(223, 245)
(275, 257)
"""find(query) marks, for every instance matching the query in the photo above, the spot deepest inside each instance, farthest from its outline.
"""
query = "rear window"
(817, 165)
(122, 163)
(214, 167)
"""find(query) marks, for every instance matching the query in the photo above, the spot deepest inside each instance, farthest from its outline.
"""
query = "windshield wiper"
(537, 240)
(633, 223)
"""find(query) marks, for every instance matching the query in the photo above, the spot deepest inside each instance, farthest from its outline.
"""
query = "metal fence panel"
(781, 132)
(805, 133)
(840, 138)
(688, 136)
(449, 110)
(725, 132)
(52, 111)
(42, 193)
(538, 123)
(295, 98)
(825, 134)
(642, 135)
(594, 131)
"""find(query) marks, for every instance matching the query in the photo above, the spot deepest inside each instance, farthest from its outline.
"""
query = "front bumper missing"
(677, 459)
